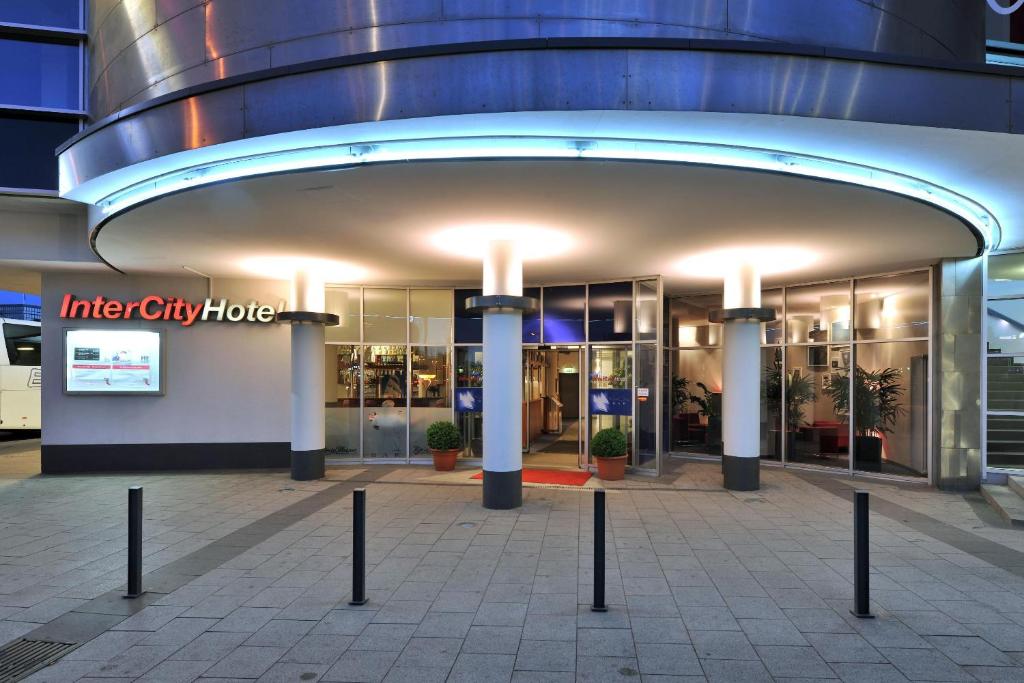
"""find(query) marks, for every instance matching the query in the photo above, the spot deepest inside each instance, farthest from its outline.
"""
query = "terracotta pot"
(611, 469)
(444, 461)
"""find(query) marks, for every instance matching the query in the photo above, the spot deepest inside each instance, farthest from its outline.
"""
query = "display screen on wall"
(113, 362)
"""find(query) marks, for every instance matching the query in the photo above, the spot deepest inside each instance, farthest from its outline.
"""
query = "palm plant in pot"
(609, 450)
(799, 392)
(709, 407)
(876, 405)
(444, 442)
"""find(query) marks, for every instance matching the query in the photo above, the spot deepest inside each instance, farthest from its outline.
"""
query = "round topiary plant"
(443, 436)
(608, 443)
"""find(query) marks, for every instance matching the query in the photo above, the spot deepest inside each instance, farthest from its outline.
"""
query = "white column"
(307, 399)
(503, 380)
(741, 380)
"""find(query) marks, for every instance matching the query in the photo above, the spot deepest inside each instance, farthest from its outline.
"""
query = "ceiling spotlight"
(285, 268)
(470, 241)
(767, 260)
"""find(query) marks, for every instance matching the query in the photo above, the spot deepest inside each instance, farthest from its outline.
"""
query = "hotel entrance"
(552, 407)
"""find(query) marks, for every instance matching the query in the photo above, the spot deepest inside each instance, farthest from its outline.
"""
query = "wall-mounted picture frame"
(835, 363)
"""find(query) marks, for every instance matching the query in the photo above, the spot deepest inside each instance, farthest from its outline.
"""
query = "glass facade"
(1004, 330)
(867, 338)
(42, 81)
(404, 358)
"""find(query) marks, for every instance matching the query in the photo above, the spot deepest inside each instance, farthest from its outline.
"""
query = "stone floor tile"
(658, 630)
(361, 665)
(280, 632)
(210, 647)
(546, 655)
(970, 650)
(402, 612)
(318, 649)
(151, 618)
(722, 645)
(179, 631)
(107, 645)
(384, 637)
(667, 659)
(246, 619)
(601, 669)
(481, 668)
(430, 653)
(246, 662)
(544, 676)
(457, 601)
(786, 661)
(176, 671)
(444, 625)
(605, 642)
(500, 614)
(771, 632)
(133, 662)
(997, 673)
(290, 672)
(735, 671)
(343, 622)
(861, 672)
(708, 618)
(844, 647)
(492, 640)
(925, 665)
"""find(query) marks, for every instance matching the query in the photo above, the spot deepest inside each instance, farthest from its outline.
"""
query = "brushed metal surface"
(559, 80)
(131, 54)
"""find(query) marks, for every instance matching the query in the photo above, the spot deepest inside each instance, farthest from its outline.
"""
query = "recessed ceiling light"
(285, 268)
(767, 260)
(470, 241)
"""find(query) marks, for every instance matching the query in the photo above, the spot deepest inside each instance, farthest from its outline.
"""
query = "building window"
(1004, 340)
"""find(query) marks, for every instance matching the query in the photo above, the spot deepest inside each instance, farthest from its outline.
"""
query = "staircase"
(1005, 432)
(1007, 500)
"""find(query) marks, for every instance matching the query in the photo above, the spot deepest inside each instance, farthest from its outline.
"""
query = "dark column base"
(741, 474)
(308, 465)
(503, 490)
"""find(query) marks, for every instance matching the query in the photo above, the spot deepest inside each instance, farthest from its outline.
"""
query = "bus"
(20, 375)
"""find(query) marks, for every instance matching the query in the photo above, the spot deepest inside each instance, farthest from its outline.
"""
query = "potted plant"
(709, 407)
(876, 405)
(799, 392)
(444, 442)
(609, 450)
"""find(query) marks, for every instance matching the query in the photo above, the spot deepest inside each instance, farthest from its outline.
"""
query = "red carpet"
(562, 477)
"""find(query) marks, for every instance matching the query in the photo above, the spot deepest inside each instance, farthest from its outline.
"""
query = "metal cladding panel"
(530, 81)
(138, 44)
(158, 55)
(236, 25)
(706, 13)
(1017, 106)
(811, 86)
(550, 80)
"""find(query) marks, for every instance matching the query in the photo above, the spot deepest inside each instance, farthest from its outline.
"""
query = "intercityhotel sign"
(167, 309)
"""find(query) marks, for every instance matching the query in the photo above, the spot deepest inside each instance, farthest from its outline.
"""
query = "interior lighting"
(112, 201)
(470, 241)
(767, 260)
(285, 268)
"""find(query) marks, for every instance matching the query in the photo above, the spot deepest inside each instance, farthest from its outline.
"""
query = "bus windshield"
(23, 344)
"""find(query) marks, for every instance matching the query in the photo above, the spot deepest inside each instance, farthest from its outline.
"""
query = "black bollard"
(358, 547)
(134, 542)
(599, 605)
(861, 563)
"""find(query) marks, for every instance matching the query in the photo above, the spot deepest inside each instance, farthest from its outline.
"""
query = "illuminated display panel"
(112, 362)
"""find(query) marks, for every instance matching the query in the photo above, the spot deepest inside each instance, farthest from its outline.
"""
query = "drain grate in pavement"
(23, 657)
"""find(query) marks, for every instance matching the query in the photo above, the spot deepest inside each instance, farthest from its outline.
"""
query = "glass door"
(610, 392)
(551, 410)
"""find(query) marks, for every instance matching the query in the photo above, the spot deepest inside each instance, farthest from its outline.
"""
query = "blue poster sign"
(611, 402)
(469, 400)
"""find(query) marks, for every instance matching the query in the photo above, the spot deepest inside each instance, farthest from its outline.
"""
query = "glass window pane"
(890, 408)
(647, 367)
(610, 311)
(687, 320)
(817, 431)
(32, 143)
(344, 303)
(1006, 385)
(771, 332)
(469, 382)
(469, 327)
(1005, 439)
(771, 403)
(384, 391)
(695, 401)
(1006, 274)
(818, 313)
(647, 310)
(51, 13)
(34, 74)
(384, 315)
(610, 394)
(430, 398)
(891, 307)
(430, 316)
(531, 321)
(1005, 321)
(342, 400)
(564, 311)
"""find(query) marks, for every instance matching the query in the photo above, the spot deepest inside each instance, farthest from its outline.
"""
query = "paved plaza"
(249, 575)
